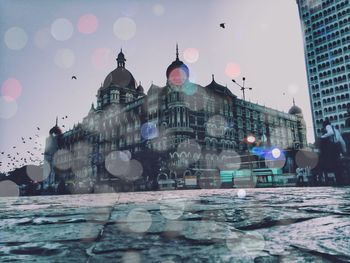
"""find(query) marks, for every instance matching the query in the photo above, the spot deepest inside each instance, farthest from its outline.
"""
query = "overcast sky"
(44, 43)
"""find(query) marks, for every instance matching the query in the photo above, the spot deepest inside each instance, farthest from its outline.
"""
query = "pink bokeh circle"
(87, 24)
(11, 89)
(232, 70)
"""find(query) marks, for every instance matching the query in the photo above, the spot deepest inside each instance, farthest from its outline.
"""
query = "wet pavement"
(217, 225)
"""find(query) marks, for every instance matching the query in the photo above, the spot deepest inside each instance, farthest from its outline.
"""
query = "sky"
(44, 43)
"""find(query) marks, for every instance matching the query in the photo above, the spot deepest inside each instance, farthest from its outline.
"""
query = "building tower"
(326, 31)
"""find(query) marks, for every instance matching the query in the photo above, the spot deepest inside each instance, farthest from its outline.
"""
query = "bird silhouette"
(14, 147)
(63, 126)
(66, 117)
(74, 77)
(38, 128)
(30, 138)
(2, 152)
(222, 25)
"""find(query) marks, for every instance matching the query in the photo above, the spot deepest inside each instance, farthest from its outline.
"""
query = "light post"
(243, 88)
(250, 141)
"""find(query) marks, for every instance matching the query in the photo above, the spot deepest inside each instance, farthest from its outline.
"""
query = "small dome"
(177, 72)
(140, 89)
(55, 131)
(294, 110)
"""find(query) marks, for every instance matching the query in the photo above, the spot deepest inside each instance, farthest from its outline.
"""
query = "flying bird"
(14, 147)
(30, 138)
(222, 25)
(38, 128)
(2, 152)
(74, 77)
(66, 117)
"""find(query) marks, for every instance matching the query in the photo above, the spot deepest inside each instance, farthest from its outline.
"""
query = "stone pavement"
(221, 225)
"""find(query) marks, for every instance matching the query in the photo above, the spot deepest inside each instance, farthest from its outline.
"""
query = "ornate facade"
(180, 130)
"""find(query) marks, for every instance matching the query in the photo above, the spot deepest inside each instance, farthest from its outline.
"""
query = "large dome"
(120, 77)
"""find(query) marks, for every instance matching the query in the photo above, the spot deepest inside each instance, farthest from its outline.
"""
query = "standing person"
(330, 155)
(327, 151)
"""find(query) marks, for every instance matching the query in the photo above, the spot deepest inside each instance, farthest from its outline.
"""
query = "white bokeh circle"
(124, 28)
(172, 209)
(62, 29)
(64, 58)
(139, 220)
(8, 188)
(15, 38)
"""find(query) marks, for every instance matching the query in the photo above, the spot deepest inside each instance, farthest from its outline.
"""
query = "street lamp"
(242, 86)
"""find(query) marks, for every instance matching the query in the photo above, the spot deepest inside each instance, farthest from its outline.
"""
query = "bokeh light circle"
(275, 158)
(139, 220)
(124, 28)
(15, 38)
(251, 139)
(102, 58)
(87, 24)
(64, 58)
(149, 130)
(42, 38)
(232, 70)
(241, 193)
(306, 159)
(8, 188)
(117, 163)
(135, 170)
(11, 89)
(177, 77)
(276, 153)
(191, 55)
(172, 209)
(62, 159)
(62, 29)
(191, 149)
(8, 108)
(131, 257)
(216, 126)
(37, 173)
(246, 243)
(158, 9)
(190, 89)
(229, 160)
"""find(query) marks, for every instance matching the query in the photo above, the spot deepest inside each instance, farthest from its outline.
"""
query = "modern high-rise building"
(326, 31)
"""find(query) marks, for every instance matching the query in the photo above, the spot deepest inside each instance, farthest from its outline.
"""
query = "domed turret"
(140, 89)
(177, 73)
(55, 130)
(295, 110)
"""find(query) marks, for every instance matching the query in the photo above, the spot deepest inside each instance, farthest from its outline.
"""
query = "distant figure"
(74, 77)
(329, 153)
(222, 25)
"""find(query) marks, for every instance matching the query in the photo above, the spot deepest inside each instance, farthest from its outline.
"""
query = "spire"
(212, 76)
(293, 102)
(56, 121)
(121, 59)
(177, 52)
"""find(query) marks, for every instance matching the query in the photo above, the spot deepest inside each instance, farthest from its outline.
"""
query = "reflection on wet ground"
(223, 225)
